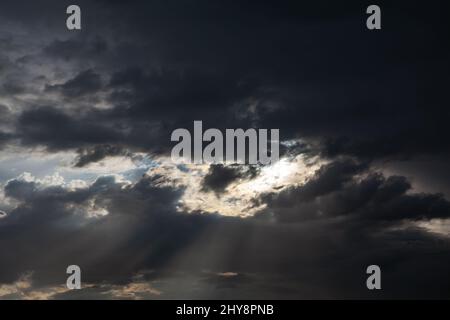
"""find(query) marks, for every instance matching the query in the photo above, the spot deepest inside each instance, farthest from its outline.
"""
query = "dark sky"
(86, 176)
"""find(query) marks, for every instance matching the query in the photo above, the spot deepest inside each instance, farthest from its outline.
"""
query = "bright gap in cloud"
(238, 198)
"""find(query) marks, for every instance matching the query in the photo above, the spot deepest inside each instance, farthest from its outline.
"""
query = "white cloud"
(239, 195)
(437, 226)
(23, 289)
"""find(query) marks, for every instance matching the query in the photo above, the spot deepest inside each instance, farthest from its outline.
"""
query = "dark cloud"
(219, 176)
(5, 113)
(337, 190)
(98, 153)
(170, 67)
(310, 69)
(143, 231)
(12, 88)
(76, 48)
(56, 129)
(4, 138)
(53, 209)
(87, 82)
(5, 119)
(328, 178)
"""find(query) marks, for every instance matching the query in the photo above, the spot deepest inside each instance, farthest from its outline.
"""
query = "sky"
(87, 179)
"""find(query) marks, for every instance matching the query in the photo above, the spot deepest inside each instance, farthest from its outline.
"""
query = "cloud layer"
(85, 124)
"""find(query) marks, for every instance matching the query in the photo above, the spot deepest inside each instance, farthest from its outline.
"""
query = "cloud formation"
(85, 124)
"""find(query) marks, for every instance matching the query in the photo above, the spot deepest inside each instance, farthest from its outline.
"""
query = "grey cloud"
(336, 190)
(98, 153)
(58, 130)
(178, 73)
(220, 176)
(86, 82)
(76, 48)
(310, 69)
(143, 231)
(328, 178)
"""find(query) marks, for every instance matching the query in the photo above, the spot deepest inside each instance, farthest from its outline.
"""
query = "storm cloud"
(86, 177)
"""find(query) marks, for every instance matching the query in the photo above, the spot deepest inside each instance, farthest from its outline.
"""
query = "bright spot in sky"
(437, 226)
(238, 198)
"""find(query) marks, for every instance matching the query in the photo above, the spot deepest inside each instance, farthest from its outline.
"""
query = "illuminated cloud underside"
(238, 199)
